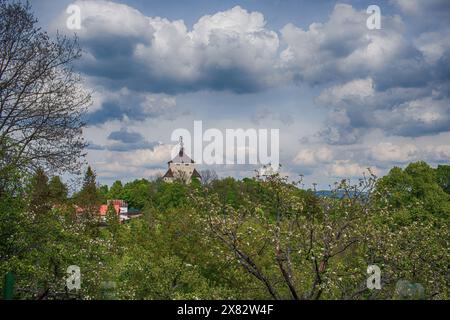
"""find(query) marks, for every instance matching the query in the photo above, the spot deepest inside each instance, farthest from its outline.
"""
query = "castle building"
(181, 168)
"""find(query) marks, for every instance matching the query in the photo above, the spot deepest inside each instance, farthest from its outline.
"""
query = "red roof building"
(104, 209)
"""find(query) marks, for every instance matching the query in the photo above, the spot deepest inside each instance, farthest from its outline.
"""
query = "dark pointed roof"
(182, 157)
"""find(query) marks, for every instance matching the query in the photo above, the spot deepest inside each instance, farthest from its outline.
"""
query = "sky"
(344, 97)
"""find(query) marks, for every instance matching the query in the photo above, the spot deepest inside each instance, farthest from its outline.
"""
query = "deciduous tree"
(42, 100)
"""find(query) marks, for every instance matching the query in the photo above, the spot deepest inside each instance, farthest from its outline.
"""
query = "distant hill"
(328, 193)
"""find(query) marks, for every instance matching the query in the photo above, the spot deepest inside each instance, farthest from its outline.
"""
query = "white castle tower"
(181, 167)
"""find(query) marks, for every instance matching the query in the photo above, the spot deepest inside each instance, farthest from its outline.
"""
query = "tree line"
(257, 238)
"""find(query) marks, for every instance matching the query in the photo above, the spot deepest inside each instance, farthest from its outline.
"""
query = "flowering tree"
(302, 247)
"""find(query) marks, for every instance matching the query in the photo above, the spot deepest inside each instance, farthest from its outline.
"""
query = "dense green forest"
(259, 238)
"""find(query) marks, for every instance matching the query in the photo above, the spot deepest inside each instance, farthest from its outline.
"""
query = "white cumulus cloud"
(311, 157)
(389, 152)
(348, 169)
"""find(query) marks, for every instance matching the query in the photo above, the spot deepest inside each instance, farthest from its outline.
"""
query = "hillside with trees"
(259, 238)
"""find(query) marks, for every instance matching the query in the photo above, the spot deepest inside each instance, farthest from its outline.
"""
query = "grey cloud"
(132, 105)
(125, 136)
(442, 70)
(343, 48)
(235, 51)
(409, 112)
(428, 14)
(127, 140)
(340, 135)
(109, 111)
(266, 114)
(124, 140)
(94, 146)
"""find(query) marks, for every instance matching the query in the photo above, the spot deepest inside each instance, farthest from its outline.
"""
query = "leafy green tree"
(89, 195)
(88, 201)
(103, 192)
(137, 193)
(171, 195)
(159, 261)
(58, 190)
(116, 190)
(39, 193)
(416, 189)
(41, 120)
(416, 251)
(39, 248)
(13, 222)
(112, 219)
(443, 177)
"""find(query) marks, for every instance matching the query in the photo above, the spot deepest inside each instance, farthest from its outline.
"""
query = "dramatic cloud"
(344, 48)
(398, 111)
(233, 50)
(434, 46)
(381, 97)
(385, 80)
(126, 104)
(230, 50)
